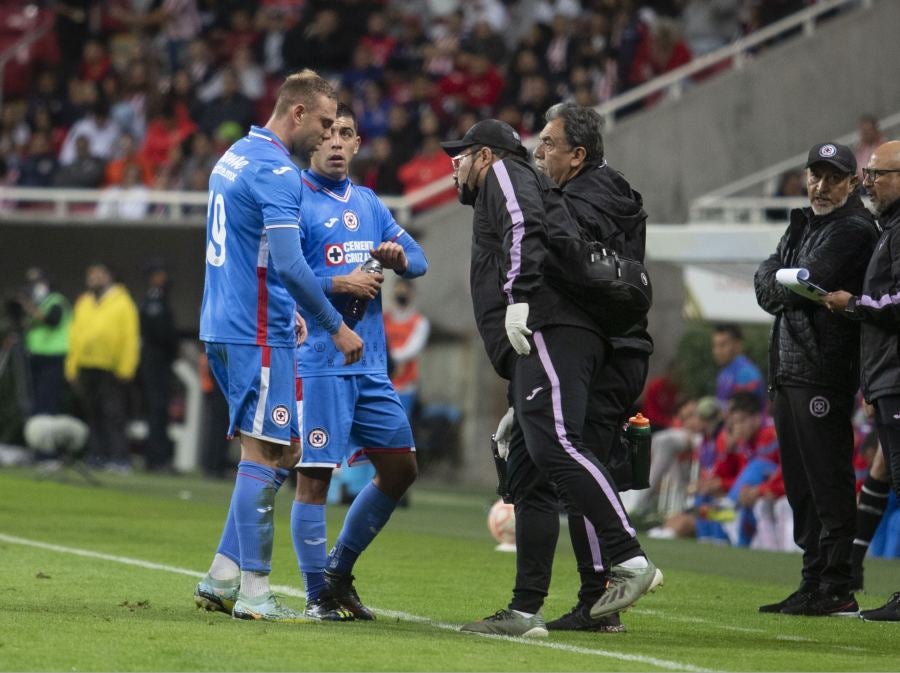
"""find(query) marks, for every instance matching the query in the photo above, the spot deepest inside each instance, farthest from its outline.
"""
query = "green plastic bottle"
(639, 438)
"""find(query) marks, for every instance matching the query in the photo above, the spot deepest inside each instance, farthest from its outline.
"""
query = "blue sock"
(228, 544)
(308, 534)
(253, 505)
(281, 475)
(370, 510)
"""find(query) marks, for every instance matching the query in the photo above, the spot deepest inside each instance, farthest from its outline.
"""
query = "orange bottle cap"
(640, 420)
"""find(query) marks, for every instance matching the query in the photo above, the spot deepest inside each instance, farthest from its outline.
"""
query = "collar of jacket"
(607, 190)
(853, 206)
(890, 216)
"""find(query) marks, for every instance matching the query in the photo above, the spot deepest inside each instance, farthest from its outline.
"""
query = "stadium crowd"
(130, 94)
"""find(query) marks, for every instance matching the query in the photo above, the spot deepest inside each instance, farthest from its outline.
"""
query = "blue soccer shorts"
(260, 384)
(350, 417)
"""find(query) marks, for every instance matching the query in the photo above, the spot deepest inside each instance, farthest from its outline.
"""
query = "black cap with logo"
(489, 133)
(839, 156)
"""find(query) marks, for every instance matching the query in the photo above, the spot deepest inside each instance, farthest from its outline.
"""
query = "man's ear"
(297, 112)
(579, 155)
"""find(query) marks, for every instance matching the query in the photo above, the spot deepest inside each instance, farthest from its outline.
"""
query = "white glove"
(504, 433)
(517, 327)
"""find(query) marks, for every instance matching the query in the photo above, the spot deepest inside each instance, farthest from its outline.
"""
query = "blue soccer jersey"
(340, 223)
(253, 194)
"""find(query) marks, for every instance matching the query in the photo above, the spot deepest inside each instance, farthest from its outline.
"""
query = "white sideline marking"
(291, 591)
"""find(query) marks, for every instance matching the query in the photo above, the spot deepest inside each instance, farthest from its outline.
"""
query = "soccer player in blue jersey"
(256, 277)
(351, 411)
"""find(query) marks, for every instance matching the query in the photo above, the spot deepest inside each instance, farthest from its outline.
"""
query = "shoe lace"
(895, 599)
(500, 615)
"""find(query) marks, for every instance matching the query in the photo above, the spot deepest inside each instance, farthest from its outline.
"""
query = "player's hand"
(517, 327)
(300, 328)
(359, 283)
(504, 433)
(391, 256)
(836, 301)
(348, 342)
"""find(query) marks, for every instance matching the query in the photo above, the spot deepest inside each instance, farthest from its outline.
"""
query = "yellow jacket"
(104, 334)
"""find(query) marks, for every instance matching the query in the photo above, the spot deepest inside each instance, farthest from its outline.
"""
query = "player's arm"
(358, 283)
(397, 250)
(277, 192)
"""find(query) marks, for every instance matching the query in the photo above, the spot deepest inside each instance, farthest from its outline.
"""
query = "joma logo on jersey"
(348, 252)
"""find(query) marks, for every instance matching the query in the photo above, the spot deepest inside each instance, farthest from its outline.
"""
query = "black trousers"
(105, 405)
(156, 377)
(550, 392)
(48, 383)
(887, 424)
(816, 441)
(610, 404)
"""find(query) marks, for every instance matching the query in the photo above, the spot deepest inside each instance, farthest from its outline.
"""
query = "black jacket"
(607, 207)
(516, 211)
(811, 346)
(878, 307)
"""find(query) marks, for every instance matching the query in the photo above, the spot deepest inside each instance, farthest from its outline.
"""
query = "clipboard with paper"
(797, 280)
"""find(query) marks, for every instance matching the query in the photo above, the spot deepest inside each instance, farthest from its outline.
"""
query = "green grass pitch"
(100, 579)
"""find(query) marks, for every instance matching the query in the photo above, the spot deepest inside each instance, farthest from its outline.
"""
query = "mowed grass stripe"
(291, 591)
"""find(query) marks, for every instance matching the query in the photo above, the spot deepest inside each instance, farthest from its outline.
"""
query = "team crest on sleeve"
(351, 220)
(334, 254)
(281, 416)
(317, 438)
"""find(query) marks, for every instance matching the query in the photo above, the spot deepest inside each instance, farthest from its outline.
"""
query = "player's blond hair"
(301, 87)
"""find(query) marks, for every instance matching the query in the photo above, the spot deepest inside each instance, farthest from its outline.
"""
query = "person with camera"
(814, 376)
(47, 319)
(552, 352)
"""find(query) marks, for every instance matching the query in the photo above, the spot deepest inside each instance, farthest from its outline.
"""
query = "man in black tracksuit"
(814, 375)
(877, 309)
(516, 211)
(570, 152)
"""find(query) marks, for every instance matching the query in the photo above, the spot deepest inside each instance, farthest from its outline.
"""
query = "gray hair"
(583, 127)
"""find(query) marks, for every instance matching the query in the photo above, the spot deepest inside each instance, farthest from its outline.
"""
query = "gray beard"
(829, 209)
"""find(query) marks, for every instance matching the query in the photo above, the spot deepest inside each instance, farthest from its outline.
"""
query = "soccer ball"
(502, 524)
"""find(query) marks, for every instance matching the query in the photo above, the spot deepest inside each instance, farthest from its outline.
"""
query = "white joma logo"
(534, 392)
(314, 541)
(281, 171)
(331, 222)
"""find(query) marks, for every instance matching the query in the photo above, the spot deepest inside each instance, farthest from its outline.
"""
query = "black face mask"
(401, 300)
(467, 195)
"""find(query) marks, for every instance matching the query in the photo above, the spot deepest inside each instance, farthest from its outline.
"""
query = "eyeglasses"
(457, 160)
(874, 173)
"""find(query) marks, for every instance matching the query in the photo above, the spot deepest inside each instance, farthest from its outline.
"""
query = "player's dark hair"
(730, 329)
(583, 127)
(745, 401)
(301, 87)
(344, 110)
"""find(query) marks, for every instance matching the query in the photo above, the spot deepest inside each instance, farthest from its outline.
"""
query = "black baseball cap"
(490, 133)
(839, 156)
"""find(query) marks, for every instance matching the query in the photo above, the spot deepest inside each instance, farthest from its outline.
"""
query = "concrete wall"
(789, 97)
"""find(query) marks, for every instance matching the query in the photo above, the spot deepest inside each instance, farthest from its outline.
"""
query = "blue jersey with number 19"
(254, 189)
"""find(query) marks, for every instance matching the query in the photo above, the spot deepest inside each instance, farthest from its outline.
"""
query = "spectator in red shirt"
(165, 132)
(377, 40)
(95, 62)
(426, 167)
(661, 398)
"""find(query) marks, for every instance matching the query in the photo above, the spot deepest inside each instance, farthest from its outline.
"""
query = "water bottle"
(355, 309)
(639, 437)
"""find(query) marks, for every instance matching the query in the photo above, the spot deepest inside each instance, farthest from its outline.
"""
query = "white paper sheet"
(797, 280)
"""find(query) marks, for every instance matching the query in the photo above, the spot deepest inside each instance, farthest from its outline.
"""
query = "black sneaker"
(797, 598)
(326, 609)
(579, 619)
(856, 578)
(826, 605)
(889, 612)
(342, 589)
